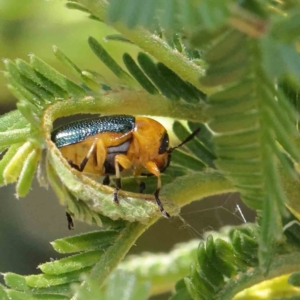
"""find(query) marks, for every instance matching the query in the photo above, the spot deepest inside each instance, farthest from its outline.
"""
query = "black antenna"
(190, 137)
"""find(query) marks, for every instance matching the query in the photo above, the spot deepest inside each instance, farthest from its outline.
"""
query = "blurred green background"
(28, 225)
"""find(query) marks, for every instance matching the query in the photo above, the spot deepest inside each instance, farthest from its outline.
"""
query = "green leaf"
(12, 120)
(89, 81)
(226, 47)
(3, 294)
(181, 291)
(104, 56)
(115, 10)
(93, 292)
(117, 38)
(15, 295)
(27, 173)
(71, 263)
(30, 112)
(138, 74)
(171, 14)
(18, 80)
(182, 89)
(186, 160)
(14, 166)
(51, 74)
(206, 135)
(226, 76)
(200, 283)
(287, 29)
(43, 280)
(192, 290)
(150, 69)
(77, 6)
(126, 284)
(10, 137)
(213, 13)
(85, 242)
(285, 55)
(28, 71)
(6, 159)
(245, 246)
(65, 60)
(197, 148)
(15, 281)
(221, 256)
(215, 278)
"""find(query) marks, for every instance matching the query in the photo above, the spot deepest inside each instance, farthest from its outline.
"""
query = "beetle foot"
(116, 191)
(106, 180)
(70, 221)
(159, 204)
(165, 214)
(142, 187)
(74, 166)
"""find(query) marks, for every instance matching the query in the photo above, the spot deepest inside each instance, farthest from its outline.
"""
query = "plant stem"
(162, 269)
(126, 102)
(189, 188)
(155, 46)
(112, 257)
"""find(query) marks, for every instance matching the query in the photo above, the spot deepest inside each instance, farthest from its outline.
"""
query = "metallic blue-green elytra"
(78, 131)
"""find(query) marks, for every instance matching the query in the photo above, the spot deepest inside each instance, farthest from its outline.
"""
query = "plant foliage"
(230, 67)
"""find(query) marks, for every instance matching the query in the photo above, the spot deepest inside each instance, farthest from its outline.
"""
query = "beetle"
(106, 145)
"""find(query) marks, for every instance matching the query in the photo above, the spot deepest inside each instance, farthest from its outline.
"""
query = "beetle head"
(170, 150)
(165, 144)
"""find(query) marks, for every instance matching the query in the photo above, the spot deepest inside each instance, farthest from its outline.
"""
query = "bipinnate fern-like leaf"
(58, 275)
(40, 88)
(248, 142)
(45, 95)
(61, 278)
(227, 265)
(86, 251)
(247, 117)
(171, 15)
(222, 266)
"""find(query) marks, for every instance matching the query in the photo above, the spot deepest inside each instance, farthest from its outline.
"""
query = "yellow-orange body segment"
(144, 143)
(108, 144)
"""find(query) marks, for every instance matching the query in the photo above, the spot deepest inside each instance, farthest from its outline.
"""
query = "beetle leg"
(101, 153)
(74, 166)
(70, 221)
(152, 168)
(142, 186)
(106, 180)
(85, 160)
(118, 182)
(120, 159)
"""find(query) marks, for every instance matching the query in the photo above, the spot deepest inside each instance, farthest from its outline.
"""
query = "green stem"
(112, 257)
(126, 102)
(162, 269)
(188, 188)
(154, 46)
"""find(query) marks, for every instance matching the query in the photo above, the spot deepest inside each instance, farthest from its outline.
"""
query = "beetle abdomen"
(109, 164)
(78, 131)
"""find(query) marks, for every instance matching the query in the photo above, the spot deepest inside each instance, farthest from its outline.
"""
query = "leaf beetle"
(108, 144)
